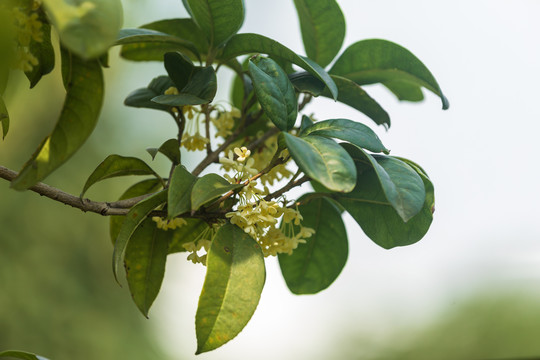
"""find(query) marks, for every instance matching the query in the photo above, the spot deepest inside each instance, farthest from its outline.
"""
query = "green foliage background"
(57, 296)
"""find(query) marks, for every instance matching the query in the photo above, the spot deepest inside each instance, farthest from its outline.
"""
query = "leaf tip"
(445, 102)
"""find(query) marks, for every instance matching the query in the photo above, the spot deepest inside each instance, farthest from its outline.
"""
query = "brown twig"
(207, 129)
(103, 208)
(291, 184)
(255, 144)
(120, 207)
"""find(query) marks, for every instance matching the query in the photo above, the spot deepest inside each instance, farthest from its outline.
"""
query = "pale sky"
(481, 155)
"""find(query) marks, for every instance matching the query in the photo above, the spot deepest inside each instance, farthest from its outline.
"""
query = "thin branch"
(86, 205)
(255, 144)
(120, 207)
(207, 128)
(291, 184)
(307, 98)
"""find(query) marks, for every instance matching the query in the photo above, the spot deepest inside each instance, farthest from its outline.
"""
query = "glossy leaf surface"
(274, 92)
(203, 84)
(323, 28)
(304, 82)
(142, 98)
(132, 220)
(378, 61)
(159, 39)
(323, 160)
(401, 185)
(179, 200)
(241, 44)
(170, 148)
(232, 288)
(306, 123)
(347, 130)
(218, 19)
(84, 83)
(208, 188)
(145, 260)
(315, 265)
(116, 165)
(378, 219)
(179, 68)
(353, 95)
(405, 91)
(87, 28)
(184, 29)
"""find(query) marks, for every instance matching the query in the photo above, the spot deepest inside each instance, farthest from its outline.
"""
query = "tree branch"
(293, 183)
(103, 208)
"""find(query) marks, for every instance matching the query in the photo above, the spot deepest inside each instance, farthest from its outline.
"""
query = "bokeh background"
(468, 290)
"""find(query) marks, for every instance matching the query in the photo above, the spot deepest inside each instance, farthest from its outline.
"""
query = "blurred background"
(468, 290)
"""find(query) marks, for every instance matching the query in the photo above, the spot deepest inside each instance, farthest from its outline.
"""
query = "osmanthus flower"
(203, 241)
(165, 224)
(192, 139)
(224, 122)
(259, 217)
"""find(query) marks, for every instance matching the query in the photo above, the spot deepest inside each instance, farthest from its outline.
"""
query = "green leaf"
(306, 123)
(401, 185)
(170, 149)
(21, 355)
(203, 84)
(116, 165)
(196, 85)
(232, 288)
(378, 219)
(133, 219)
(4, 118)
(84, 83)
(145, 260)
(353, 95)
(179, 100)
(142, 98)
(208, 188)
(323, 160)
(144, 187)
(323, 28)
(242, 44)
(378, 61)
(274, 92)
(315, 265)
(405, 91)
(187, 233)
(158, 39)
(351, 131)
(179, 200)
(179, 68)
(184, 29)
(87, 28)
(43, 51)
(304, 82)
(218, 19)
